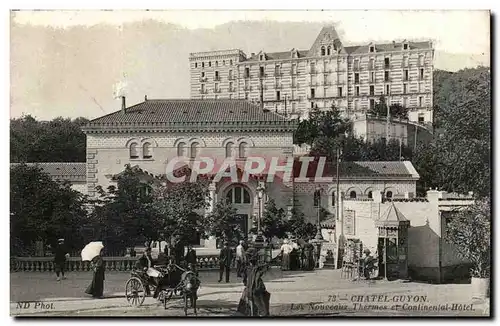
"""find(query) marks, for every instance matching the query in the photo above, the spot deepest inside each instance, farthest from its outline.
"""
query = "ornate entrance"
(393, 244)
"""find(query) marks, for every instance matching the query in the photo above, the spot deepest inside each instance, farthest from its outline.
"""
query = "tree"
(180, 208)
(43, 210)
(273, 220)
(326, 131)
(224, 223)
(448, 89)
(470, 231)
(123, 214)
(298, 227)
(320, 127)
(458, 159)
(396, 110)
(59, 140)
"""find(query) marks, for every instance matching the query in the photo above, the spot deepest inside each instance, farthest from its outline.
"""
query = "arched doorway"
(241, 198)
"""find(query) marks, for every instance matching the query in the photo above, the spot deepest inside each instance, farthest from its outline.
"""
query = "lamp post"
(319, 236)
(259, 240)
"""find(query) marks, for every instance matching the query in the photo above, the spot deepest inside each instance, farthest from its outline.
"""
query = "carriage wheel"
(135, 292)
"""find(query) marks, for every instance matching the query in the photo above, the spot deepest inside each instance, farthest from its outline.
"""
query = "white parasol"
(92, 250)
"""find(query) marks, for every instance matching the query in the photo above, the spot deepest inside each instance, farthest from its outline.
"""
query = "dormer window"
(372, 49)
(262, 57)
(322, 51)
(405, 46)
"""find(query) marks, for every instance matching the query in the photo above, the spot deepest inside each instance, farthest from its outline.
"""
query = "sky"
(66, 63)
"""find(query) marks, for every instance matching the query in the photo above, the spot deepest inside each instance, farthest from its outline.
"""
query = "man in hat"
(225, 259)
(191, 259)
(60, 257)
(368, 263)
(144, 264)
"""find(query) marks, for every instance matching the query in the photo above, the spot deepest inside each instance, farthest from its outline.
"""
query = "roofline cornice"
(106, 129)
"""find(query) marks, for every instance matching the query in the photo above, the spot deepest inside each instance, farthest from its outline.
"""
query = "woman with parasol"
(92, 253)
(255, 298)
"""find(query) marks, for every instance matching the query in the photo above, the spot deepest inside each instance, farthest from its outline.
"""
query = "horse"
(190, 283)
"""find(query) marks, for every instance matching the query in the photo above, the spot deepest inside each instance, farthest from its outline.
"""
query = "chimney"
(253, 54)
(394, 43)
(123, 104)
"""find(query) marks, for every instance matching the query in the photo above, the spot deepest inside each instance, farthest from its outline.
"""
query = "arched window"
(181, 149)
(370, 194)
(388, 194)
(146, 151)
(334, 198)
(133, 151)
(243, 150)
(322, 50)
(229, 150)
(195, 148)
(317, 198)
(328, 50)
(238, 195)
(352, 195)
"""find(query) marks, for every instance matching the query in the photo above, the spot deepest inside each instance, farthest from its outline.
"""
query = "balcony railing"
(217, 78)
(217, 90)
(203, 79)
(203, 91)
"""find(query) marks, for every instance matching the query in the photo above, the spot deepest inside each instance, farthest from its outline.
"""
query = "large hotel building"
(291, 82)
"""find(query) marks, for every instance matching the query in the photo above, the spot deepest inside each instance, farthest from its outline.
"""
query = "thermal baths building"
(154, 133)
(294, 80)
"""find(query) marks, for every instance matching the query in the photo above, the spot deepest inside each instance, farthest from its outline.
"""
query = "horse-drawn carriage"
(168, 282)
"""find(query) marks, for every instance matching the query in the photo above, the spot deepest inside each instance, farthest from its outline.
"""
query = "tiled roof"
(358, 169)
(190, 111)
(392, 217)
(62, 170)
(386, 47)
(278, 55)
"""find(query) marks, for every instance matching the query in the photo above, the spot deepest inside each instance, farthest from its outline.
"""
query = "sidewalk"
(287, 292)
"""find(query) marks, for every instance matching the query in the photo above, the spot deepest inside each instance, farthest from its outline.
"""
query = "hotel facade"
(352, 78)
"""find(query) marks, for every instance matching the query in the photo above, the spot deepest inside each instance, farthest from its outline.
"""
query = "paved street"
(292, 293)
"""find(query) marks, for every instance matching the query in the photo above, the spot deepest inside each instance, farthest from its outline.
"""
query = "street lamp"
(319, 236)
(259, 240)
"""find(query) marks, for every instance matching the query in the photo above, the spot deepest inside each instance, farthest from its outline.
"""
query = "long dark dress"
(255, 293)
(308, 257)
(96, 288)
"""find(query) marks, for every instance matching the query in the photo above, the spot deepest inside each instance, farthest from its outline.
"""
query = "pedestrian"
(225, 259)
(163, 257)
(294, 255)
(286, 249)
(60, 257)
(308, 256)
(191, 259)
(240, 256)
(178, 251)
(255, 299)
(96, 288)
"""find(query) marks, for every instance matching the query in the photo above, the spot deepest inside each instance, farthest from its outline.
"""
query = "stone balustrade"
(75, 264)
